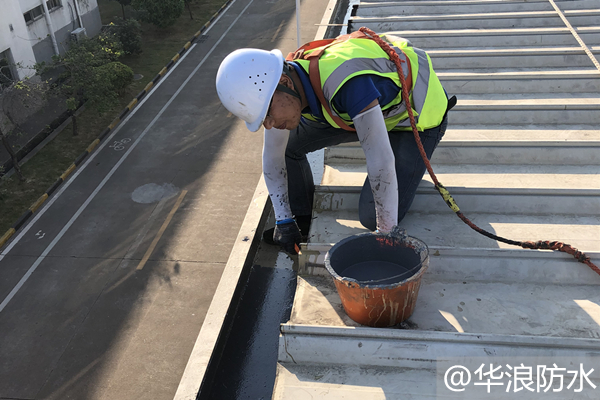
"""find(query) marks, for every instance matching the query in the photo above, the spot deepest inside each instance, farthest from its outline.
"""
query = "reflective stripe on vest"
(419, 92)
(349, 66)
(352, 66)
(420, 88)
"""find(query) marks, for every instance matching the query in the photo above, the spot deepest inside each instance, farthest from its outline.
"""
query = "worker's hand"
(288, 236)
(396, 232)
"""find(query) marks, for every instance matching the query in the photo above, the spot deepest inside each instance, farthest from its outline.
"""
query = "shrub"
(118, 74)
(107, 43)
(90, 73)
(129, 33)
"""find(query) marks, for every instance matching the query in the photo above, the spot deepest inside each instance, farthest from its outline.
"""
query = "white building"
(32, 31)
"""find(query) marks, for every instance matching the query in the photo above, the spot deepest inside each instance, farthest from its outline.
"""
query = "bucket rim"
(416, 276)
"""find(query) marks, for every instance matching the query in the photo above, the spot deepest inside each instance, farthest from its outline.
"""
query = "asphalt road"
(103, 293)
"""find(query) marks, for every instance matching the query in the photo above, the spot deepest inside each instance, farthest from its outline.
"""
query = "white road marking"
(113, 170)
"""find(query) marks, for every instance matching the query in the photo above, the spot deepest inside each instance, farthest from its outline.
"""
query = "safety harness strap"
(315, 75)
(313, 69)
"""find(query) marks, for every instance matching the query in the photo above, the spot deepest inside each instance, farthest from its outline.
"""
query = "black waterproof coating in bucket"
(378, 276)
(378, 272)
(369, 260)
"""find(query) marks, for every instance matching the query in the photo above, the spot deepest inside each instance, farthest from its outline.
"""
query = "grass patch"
(159, 46)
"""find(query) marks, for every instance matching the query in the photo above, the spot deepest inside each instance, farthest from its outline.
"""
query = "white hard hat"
(246, 81)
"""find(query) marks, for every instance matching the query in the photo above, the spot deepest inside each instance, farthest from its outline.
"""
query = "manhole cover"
(153, 192)
(137, 77)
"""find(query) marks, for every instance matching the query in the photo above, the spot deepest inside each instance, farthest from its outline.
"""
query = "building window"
(52, 4)
(38, 12)
(33, 14)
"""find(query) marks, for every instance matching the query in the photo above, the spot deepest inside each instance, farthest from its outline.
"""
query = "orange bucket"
(378, 276)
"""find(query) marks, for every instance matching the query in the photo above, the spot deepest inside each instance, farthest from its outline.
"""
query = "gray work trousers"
(311, 136)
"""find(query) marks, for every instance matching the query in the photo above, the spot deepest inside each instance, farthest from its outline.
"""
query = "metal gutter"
(215, 329)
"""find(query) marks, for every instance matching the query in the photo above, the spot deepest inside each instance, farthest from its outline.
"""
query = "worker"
(362, 90)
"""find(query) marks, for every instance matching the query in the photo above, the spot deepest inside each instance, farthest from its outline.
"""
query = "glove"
(287, 235)
(395, 232)
(398, 233)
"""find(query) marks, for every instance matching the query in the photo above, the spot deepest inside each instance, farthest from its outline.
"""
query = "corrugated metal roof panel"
(521, 156)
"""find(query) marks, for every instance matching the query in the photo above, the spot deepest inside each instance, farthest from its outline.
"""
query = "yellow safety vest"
(353, 57)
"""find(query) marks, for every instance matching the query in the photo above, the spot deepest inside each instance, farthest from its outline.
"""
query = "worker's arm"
(373, 136)
(286, 231)
(275, 172)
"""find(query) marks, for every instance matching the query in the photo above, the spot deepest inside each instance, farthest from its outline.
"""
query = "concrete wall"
(86, 6)
(61, 17)
(92, 22)
(16, 40)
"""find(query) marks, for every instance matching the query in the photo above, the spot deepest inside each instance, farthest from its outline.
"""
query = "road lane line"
(277, 31)
(161, 230)
(113, 170)
(142, 234)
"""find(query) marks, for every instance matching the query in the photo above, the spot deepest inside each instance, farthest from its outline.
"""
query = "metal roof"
(522, 159)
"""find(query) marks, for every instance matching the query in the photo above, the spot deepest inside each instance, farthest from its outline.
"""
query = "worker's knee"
(367, 219)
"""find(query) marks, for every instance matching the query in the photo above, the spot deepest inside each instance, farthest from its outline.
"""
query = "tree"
(161, 13)
(11, 152)
(19, 100)
(129, 33)
(90, 74)
(188, 4)
(123, 4)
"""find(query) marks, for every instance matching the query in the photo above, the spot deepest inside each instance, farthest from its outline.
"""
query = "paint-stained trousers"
(311, 136)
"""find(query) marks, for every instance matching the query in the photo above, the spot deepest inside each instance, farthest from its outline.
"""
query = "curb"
(35, 206)
(40, 143)
(7, 168)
